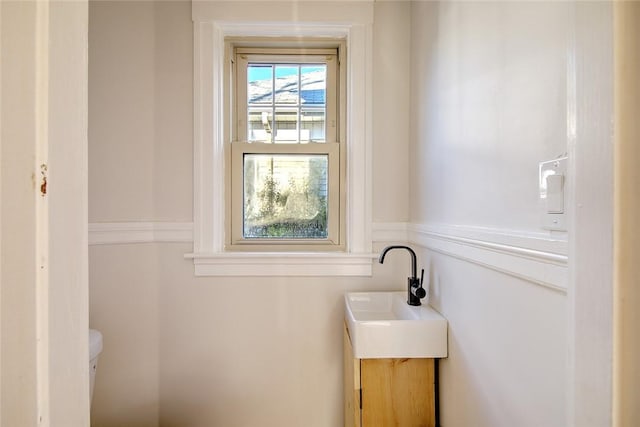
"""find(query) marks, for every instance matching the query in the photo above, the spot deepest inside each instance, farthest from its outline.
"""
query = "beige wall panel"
(391, 37)
(124, 307)
(270, 344)
(173, 112)
(122, 133)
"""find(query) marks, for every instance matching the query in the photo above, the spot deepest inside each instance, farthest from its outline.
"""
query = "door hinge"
(360, 398)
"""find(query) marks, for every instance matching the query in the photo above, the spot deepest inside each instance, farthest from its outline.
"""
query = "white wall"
(489, 101)
(178, 349)
(507, 348)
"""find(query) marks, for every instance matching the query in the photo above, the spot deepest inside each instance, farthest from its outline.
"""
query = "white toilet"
(95, 348)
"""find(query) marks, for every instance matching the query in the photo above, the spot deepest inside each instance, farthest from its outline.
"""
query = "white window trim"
(208, 255)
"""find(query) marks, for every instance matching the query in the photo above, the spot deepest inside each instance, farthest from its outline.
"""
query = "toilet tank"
(95, 348)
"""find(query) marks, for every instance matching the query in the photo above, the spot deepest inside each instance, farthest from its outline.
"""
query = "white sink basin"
(383, 325)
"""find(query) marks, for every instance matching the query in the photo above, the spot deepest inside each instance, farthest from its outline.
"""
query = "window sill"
(282, 264)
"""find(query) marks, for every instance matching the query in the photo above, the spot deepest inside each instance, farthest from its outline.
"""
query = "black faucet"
(415, 290)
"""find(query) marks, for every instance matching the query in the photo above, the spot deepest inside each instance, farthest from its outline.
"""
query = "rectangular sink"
(383, 325)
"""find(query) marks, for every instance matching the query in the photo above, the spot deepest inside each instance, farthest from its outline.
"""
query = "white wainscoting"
(539, 258)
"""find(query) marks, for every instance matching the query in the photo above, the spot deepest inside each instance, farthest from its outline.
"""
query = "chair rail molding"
(115, 233)
(537, 257)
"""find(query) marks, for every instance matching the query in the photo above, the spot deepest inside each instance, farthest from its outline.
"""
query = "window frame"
(242, 52)
(211, 29)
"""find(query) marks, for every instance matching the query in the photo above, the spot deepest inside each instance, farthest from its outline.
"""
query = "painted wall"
(488, 102)
(391, 192)
(489, 99)
(187, 351)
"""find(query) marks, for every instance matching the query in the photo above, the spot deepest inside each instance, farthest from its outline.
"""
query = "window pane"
(285, 196)
(314, 84)
(287, 84)
(259, 84)
(260, 124)
(312, 125)
(286, 125)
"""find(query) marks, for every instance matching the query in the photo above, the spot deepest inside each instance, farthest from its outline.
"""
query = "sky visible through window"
(257, 73)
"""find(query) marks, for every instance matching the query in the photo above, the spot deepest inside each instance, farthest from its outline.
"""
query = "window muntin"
(286, 109)
(286, 103)
(285, 97)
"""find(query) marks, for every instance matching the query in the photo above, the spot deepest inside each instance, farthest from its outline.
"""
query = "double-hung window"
(286, 162)
(256, 215)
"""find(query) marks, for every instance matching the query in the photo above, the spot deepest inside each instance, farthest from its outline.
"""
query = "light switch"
(552, 182)
(555, 194)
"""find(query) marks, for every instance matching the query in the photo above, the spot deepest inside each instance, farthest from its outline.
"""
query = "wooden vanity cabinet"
(387, 392)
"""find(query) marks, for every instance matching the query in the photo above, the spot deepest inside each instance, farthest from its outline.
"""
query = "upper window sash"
(327, 57)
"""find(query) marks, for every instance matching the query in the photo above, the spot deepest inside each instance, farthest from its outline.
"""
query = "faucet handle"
(419, 292)
(416, 289)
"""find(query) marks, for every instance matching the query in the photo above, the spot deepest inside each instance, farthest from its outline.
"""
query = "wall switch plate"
(552, 189)
(555, 194)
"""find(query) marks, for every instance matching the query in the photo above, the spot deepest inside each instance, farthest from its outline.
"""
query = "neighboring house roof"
(312, 91)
